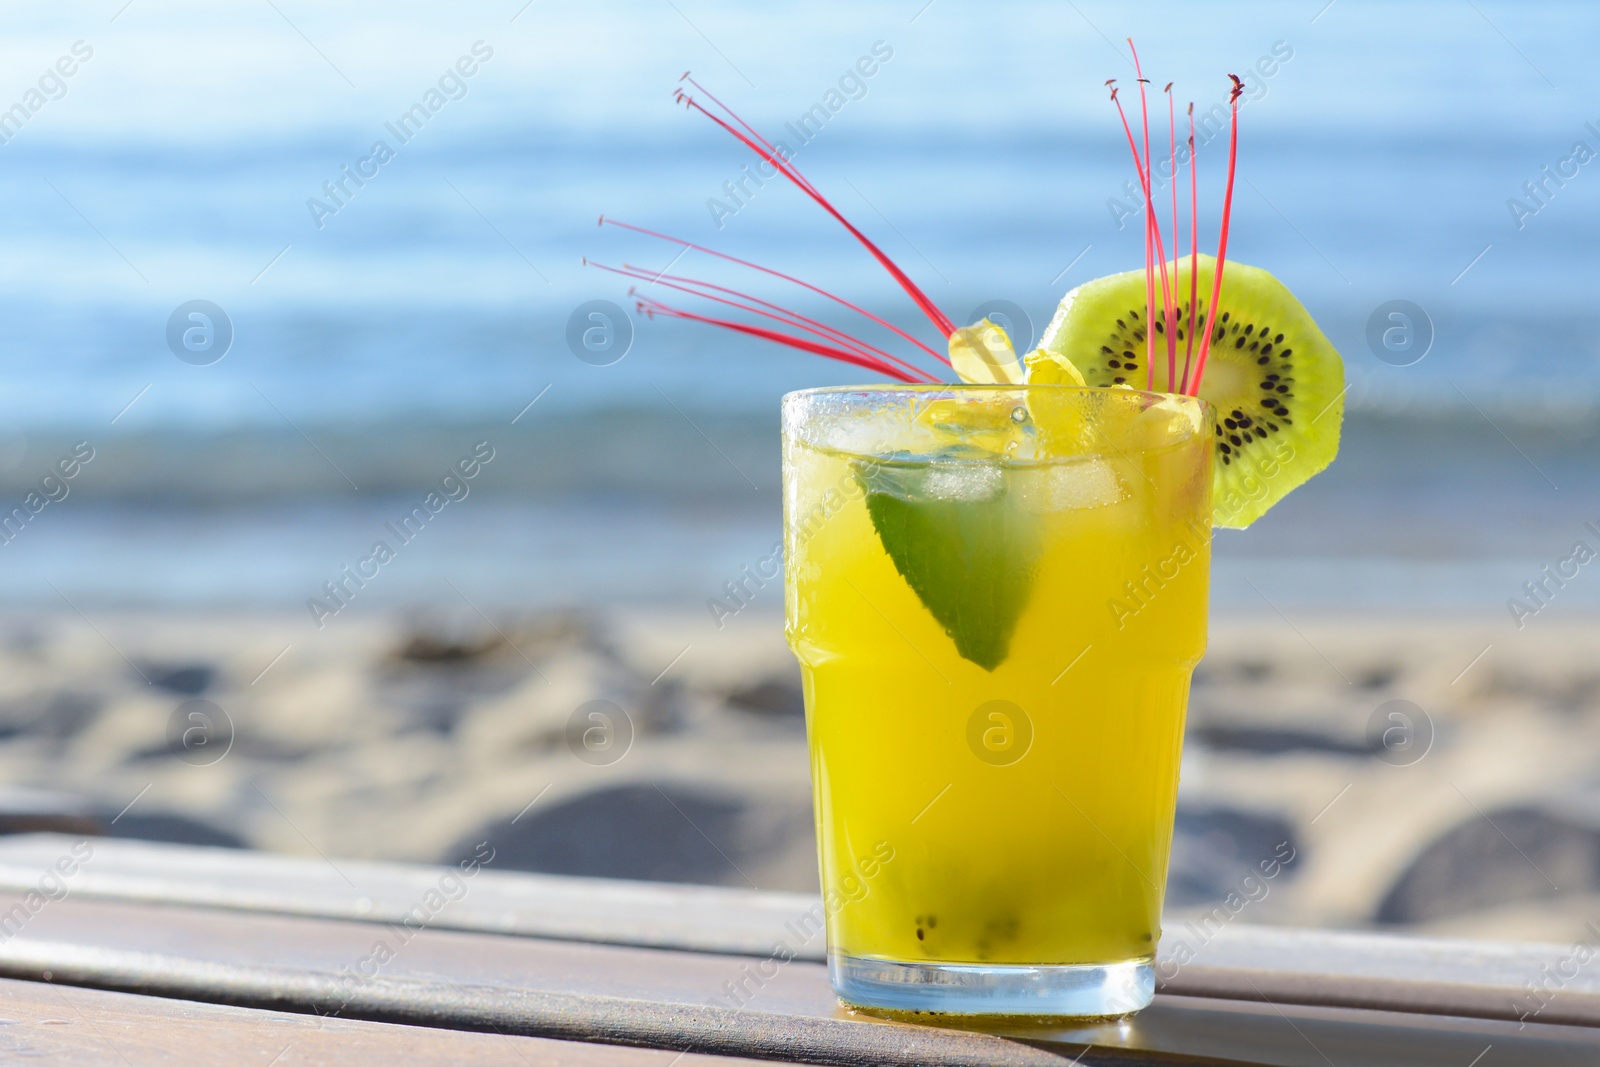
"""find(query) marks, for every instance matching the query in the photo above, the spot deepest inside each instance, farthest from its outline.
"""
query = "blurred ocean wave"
(372, 345)
(1371, 171)
(730, 459)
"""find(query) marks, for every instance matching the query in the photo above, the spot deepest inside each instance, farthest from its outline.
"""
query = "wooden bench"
(159, 951)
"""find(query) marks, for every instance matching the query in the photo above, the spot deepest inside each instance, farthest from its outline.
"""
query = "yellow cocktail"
(997, 596)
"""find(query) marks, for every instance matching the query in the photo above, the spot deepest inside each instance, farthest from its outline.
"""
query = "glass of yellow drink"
(997, 595)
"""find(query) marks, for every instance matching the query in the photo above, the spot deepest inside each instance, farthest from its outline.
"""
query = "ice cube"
(967, 482)
(1086, 483)
(855, 435)
(1170, 420)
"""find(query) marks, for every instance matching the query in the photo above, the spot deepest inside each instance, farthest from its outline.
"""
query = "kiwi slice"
(1276, 382)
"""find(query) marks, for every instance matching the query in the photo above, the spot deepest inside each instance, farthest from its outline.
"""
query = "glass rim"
(919, 388)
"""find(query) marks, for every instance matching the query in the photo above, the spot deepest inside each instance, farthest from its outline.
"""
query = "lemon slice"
(1059, 416)
(1045, 367)
(982, 355)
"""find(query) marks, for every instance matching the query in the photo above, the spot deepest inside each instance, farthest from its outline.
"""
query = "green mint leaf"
(958, 537)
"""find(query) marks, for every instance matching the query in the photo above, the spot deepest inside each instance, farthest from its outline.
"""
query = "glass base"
(1093, 990)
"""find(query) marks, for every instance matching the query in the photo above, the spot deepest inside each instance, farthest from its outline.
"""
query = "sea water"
(1384, 156)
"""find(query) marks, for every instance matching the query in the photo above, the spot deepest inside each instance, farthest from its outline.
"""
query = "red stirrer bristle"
(757, 144)
(652, 307)
(766, 309)
(1222, 233)
(1194, 250)
(1149, 259)
(751, 130)
(1149, 278)
(941, 357)
(1172, 164)
(778, 313)
(1153, 240)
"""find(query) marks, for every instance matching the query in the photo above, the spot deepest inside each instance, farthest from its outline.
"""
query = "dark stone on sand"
(25, 811)
(188, 679)
(771, 698)
(436, 695)
(1501, 857)
(431, 648)
(666, 833)
(1215, 849)
(67, 713)
(1381, 676)
(1249, 672)
(269, 749)
(58, 716)
(172, 829)
(524, 641)
(1274, 741)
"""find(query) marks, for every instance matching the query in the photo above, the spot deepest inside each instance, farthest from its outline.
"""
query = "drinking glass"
(997, 595)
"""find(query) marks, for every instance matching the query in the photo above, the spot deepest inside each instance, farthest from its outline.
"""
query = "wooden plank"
(1487, 980)
(723, 1004)
(602, 910)
(562, 990)
(1237, 961)
(68, 1025)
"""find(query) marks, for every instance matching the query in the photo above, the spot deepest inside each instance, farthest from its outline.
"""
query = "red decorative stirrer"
(829, 341)
(1193, 387)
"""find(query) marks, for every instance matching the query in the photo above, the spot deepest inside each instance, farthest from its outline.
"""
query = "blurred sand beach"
(1417, 773)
